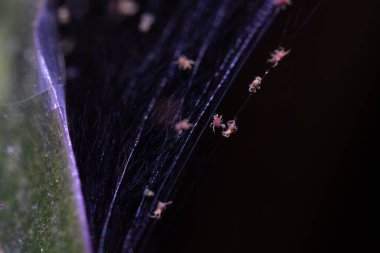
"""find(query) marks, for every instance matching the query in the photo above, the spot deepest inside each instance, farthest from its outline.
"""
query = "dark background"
(300, 174)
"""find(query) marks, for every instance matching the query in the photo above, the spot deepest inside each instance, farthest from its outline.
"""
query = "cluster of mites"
(161, 206)
(217, 122)
(125, 8)
(131, 8)
(185, 63)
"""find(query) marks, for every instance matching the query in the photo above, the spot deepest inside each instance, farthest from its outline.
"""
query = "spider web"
(123, 97)
(124, 94)
(127, 95)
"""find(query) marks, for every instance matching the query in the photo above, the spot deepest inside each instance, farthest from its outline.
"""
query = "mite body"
(182, 126)
(161, 207)
(127, 7)
(231, 129)
(277, 55)
(255, 85)
(184, 63)
(63, 14)
(217, 122)
(146, 22)
(282, 4)
(148, 193)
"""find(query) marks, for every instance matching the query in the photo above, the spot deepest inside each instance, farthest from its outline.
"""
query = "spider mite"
(146, 22)
(255, 85)
(161, 206)
(277, 55)
(231, 128)
(148, 193)
(282, 4)
(127, 7)
(184, 63)
(182, 126)
(63, 15)
(217, 122)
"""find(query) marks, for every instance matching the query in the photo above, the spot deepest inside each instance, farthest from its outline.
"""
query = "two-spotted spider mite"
(277, 55)
(217, 122)
(282, 4)
(146, 22)
(184, 63)
(127, 7)
(63, 15)
(231, 128)
(148, 193)
(255, 85)
(161, 206)
(182, 126)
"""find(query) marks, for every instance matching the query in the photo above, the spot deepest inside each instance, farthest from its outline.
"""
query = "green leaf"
(41, 207)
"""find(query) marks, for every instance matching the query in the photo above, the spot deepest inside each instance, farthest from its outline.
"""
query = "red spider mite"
(127, 7)
(217, 122)
(182, 126)
(277, 55)
(282, 4)
(161, 206)
(255, 85)
(184, 63)
(231, 128)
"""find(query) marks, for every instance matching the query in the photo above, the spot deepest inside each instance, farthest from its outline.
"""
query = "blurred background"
(300, 174)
